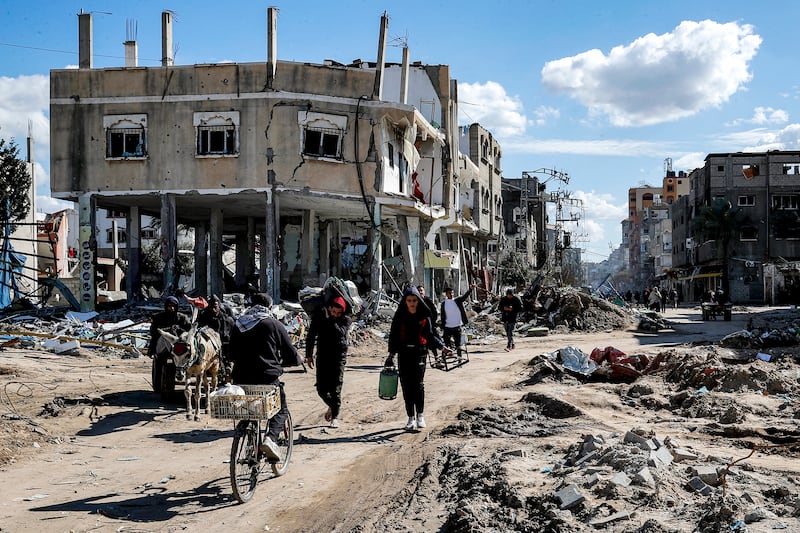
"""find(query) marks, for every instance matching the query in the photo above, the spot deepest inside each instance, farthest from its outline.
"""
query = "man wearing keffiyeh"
(260, 348)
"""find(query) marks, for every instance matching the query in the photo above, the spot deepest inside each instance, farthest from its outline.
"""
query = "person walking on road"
(510, 306)
(260, 348)
(328, 333)
(410, 337)
(454, 316)
(434, 317)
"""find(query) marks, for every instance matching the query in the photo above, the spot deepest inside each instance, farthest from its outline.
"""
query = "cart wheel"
(285, 444)
(167, 385)
(155, 374)
(244, 461)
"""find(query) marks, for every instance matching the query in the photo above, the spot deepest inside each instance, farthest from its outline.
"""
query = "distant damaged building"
(307, 170)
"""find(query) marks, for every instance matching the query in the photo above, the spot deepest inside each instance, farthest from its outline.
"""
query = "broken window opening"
(216, 140)
(125, 142)
(322, 142)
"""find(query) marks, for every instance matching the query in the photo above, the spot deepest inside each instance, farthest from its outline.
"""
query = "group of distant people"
(257, 347)
(655, 298)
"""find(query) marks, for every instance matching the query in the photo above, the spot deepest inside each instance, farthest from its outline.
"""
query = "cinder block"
(660, 458)
(620, 479)
(680, 454)
(698, 485)
(569, 497)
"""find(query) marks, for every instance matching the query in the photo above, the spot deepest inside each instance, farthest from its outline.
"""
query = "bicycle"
(252, 412)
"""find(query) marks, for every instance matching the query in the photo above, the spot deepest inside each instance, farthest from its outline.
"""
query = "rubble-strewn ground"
(704, 438)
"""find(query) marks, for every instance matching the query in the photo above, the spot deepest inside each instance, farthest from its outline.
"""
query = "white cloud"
(489, 105)
(607, 147)
(23, 99)
(654, 78)
(690, 161)
(544, 115)
(787, 138)
(763, 116)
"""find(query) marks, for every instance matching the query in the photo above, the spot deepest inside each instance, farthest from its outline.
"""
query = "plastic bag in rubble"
(577, 361)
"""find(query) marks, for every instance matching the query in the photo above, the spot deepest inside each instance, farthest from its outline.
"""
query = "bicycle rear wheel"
(285, 444)
(244, 460)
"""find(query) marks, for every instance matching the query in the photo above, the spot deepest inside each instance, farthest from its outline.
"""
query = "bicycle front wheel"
(244, 460)
(285, 444)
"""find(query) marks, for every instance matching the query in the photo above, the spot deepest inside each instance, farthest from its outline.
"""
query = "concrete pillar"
(201, 258)
(325, 250)
(270, 266)
(406, 249)
(377, 90)
(250, 246)
(262, 262)
(85, 46)
(86, 266)
(272, 45)
(242, 268)
(169, 242)
(307, 245)
(376, 278)
(216, 279)
(336, 248)
(133, 277)
(404, 77)
(167, 60)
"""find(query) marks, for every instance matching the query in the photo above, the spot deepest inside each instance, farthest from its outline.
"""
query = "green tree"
(720, 222)
(15, 184)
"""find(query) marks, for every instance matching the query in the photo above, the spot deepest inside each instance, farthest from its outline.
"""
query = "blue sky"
(605, 92)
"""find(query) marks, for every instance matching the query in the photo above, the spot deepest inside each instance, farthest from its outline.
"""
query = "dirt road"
(108, 456)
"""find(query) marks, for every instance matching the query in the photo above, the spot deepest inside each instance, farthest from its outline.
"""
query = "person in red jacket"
(410, 337)
(328, 333)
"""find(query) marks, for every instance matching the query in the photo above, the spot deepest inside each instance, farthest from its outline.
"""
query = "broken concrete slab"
(569, 497)
(698, 485)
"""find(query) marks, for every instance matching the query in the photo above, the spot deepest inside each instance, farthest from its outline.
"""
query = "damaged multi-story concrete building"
(310, 170)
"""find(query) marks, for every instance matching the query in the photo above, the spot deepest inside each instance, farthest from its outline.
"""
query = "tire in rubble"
(244, 462)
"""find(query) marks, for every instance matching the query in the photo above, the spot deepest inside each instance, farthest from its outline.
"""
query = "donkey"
(197, 352)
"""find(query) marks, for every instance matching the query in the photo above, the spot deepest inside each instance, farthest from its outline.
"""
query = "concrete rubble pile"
(565, 309)
(123, 329)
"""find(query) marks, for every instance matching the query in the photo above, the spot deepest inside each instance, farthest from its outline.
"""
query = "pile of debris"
(565, 309)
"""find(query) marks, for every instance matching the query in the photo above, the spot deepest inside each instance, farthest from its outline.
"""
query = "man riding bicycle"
(260, 347)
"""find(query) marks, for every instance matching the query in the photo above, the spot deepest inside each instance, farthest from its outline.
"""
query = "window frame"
(793, 202)
(745, 203)
(123, 132)
(322, 135)
(207, 124)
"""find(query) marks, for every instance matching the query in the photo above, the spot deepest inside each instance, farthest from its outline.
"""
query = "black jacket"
(260, 353)
(220, 322)
(432, 308)
(515, 305)
(178, 322)
(328, 334)
(412, 331)
(460, 303)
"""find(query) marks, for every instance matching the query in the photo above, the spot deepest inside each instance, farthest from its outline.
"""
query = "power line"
(10, 45)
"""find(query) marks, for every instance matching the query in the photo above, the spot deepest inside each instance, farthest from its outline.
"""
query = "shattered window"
(216, 140)
(217, 133)
(126, 136)
(125, 142)
(322, 142)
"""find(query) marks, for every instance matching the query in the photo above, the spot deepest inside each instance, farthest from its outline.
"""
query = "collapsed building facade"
(309, 170)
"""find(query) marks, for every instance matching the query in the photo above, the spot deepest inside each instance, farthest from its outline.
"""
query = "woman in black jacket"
(410, 337)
